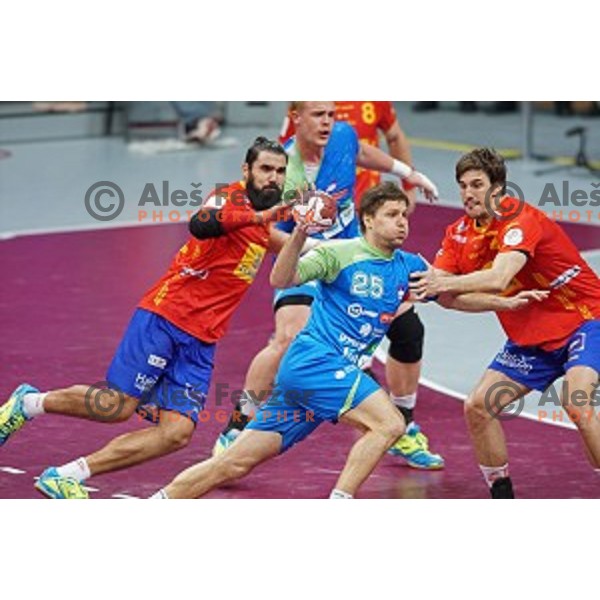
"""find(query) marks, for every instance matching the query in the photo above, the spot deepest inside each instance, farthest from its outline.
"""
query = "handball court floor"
(65, 302)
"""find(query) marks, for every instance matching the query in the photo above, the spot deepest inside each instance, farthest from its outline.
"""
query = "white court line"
(9, 235)
(442, 389)
(12, 471)
(381, 356)
(125, 497)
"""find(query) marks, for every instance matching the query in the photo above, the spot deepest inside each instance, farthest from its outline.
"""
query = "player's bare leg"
(173, 432)
(289, 321)
(492, 394)
(250, 450)
(580, 395)
(381, 425)
(403, 371)
(88, 402)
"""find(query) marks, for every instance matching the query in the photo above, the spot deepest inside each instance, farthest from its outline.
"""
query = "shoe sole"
(425, 468)
(413, 465)
(45, 492)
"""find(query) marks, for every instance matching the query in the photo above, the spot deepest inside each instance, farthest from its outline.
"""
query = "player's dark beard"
(263, 199)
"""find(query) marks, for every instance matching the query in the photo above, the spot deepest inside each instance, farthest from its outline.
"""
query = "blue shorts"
(163, 366)
(538, 369)
(314, 384)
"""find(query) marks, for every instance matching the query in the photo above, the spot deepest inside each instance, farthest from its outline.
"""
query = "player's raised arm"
(285, 270)
(373, 158)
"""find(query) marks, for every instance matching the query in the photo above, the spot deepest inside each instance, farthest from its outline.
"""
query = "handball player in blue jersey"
(325, 154)
(362, 282)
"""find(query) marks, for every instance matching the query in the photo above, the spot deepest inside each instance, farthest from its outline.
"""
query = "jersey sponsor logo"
(144, 383)
(157, 361)
(513, 237)
(199, 273)
(521, 364)
(461, 239)
(577, 345)
(348, 341)
(565, 277)
(366, 330)
(357, 310)
(161, 294)
(250, 263)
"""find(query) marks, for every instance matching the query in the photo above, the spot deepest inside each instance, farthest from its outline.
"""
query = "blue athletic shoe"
(413, 447)
(51, 484)
(224, 441)
(12, 416)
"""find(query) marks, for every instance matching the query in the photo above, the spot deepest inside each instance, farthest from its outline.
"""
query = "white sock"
(339, 495)
(491, 474)
(33, 405)
(160, 495)
(409, 401)
(78, 469)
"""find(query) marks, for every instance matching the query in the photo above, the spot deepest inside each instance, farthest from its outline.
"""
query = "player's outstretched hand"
(523, 299)
(427, 187)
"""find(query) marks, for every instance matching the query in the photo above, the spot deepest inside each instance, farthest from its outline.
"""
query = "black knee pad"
(406, 335)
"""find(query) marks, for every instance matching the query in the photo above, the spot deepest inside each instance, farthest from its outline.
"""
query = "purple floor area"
(65, 302)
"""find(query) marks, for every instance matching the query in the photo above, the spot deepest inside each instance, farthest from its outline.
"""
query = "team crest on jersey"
(513, 237)
(250, 263)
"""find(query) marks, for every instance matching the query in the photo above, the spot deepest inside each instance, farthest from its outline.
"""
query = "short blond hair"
(297, 106)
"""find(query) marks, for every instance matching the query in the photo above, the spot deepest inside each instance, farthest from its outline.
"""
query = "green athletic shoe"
(12, 416)
(54, 486)
(413, 447)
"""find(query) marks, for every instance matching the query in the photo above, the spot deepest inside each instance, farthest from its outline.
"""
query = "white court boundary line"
(11, 235)
(381, 356)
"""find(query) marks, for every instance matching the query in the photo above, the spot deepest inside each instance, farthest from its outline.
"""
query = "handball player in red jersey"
(163, 365)
(509, 248)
